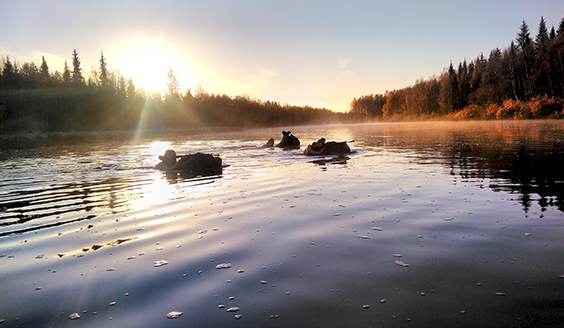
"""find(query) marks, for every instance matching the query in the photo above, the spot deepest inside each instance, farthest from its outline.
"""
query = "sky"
(321, 53)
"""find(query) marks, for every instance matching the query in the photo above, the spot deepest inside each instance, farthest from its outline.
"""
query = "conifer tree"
(542, 36)
(104, 82)
(76, 70)
(66, 74)
(561, 28)
(9, 74)
(524, 37)
(552, 33)
(44, 71)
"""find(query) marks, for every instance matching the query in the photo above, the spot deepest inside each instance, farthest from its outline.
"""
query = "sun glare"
(147, 68)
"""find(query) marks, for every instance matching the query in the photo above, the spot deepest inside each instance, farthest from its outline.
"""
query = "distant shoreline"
(29, 140)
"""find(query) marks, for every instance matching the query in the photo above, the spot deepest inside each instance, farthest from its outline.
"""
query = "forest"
(523, 81)
(34, 99)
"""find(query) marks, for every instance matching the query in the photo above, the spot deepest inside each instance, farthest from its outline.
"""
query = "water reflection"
(335, 160)
(204, 176)
(523, 158)
(325, 244)
(517, 168)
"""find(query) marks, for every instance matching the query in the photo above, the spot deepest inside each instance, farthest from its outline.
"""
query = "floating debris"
(363, 237)
(131, 257)
(40, 256)
(173, 314)
(337, 214)
(398, 255)
(366, 306)
(383, 300)
(401, 263)
(449, 219)
(528, 234)
(110, 269)
(160, 263)
(223, 266)
(221, 306)
(112, 303)
(74, 316)
(377, 228)
(240, 271)
(233, 309)
(238, 316)
(263, 282)
(499, 294)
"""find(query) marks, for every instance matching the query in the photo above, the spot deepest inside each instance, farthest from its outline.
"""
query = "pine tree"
(9, 74)
(542, 36)
(104, 82)
(524, 37)
(44, 71)
(552, 33)
(66, 74)
(561, 28)
(76, 70)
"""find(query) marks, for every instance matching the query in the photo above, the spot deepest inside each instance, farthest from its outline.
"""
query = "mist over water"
(425, 224)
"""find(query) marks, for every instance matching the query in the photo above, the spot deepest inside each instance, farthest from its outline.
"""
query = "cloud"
(343, 64)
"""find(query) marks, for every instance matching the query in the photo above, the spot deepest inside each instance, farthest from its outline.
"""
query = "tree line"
(35, 99)
(525, 80)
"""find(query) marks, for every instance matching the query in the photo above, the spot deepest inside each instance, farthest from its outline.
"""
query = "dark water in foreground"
(426, 225)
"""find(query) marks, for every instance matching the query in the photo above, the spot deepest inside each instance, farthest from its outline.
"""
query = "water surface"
(425, 224)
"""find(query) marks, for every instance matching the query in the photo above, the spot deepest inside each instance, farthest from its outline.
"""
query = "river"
(455, 224)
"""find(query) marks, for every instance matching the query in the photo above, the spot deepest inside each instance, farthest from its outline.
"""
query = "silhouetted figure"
(289, 141)
(198, 163)
(320, 147)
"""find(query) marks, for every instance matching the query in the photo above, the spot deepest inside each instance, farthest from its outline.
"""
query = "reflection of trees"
(521, 168)
(522, 158)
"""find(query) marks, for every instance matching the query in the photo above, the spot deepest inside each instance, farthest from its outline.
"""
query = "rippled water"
(426, 224)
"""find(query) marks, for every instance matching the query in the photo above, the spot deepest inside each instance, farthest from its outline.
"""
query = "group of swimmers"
(201, 161)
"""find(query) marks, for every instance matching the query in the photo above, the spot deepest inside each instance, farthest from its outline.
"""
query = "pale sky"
(321, 53)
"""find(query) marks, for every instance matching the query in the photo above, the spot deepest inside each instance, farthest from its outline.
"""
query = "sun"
(147, 67)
